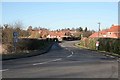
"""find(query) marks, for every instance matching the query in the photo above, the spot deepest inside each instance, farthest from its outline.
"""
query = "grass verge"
(104, 52)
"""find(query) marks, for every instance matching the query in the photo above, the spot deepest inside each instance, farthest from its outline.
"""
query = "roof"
(56, 33)
(114, 28)
(104, 33)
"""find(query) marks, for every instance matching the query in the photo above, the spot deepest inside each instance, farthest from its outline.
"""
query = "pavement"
(64, 60)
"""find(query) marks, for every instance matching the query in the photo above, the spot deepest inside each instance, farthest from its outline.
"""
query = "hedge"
(105, 44)
(110, 45)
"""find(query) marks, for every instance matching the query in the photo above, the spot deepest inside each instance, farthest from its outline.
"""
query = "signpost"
(15, 39)
(97, 45)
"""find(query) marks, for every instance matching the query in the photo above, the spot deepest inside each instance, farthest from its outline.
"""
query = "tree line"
(8, 29)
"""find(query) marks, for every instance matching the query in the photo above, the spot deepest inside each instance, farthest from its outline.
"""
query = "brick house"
(113, 32)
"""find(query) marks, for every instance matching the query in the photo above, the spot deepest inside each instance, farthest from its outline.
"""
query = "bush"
(88, 42)
(32, 44)
(110, 45)
(105, 44)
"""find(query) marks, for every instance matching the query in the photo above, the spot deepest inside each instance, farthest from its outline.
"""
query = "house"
(113, 32)
(60, 34)
(56, 34)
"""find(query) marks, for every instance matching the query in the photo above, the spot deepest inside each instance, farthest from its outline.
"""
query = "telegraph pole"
(97, 43)
(99, 30)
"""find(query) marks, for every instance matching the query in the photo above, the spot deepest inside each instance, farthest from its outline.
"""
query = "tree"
(87, 33)
(68, 28)
(18, 25)
(6, 26)
(85, 29)
(79, 29)
(73, 29)
(29, 28)
(36, 28)
(7, 34)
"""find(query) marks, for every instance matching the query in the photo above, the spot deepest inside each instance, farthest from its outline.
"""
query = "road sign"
(97, 43)
(15, 34)
(15, 39)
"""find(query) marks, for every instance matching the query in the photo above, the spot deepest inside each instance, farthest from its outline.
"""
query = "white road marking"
(72, 53)
(47, 61)
(69, 56)
(107, 55)
(108, 61)
(112, 56)
(41, 63)
(118, 60)
(57, 59)
(4, 70)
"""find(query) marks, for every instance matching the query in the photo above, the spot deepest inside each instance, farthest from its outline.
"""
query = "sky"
(58, 15)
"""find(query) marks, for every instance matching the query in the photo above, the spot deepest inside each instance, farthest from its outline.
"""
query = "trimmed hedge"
(110, 45)
(33, 44)
(105, 44)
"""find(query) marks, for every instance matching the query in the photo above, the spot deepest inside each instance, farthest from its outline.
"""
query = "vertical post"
(99, 30)
(97, 43)
(15, 40)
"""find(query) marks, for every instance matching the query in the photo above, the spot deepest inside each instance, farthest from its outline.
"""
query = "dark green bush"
(32, 44)
(105, 44)
(110, 45)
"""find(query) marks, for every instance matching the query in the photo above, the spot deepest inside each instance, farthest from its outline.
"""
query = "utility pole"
(99, 30)
(97, 43)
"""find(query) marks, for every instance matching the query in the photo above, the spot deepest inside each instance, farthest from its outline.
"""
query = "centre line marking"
(4, 70)
(72, 53)
(41, 63)
(69, 56)
(57, 59)
(47, 61)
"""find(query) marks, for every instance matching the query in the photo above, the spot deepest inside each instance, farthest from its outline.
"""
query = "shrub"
(110, 45)
(105, 44)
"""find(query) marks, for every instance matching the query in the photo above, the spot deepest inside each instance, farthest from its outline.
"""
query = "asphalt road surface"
(63, 61)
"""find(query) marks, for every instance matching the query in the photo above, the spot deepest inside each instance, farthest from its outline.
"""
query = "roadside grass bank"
(29, 47)
(107, 46)
(104, 52)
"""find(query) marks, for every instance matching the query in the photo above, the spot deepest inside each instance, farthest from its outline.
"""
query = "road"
(62, 61)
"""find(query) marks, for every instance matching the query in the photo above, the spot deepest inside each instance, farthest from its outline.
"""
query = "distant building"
(38, 33)
(43, 33)
(56, 34)
(113, 32)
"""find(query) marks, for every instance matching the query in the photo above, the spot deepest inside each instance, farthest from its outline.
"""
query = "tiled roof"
(113, 32)
(114, 29)
(55, 33)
